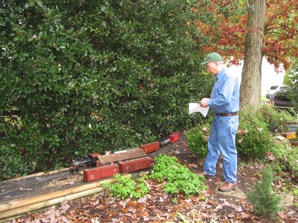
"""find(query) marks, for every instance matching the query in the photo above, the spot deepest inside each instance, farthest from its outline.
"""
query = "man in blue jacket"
(225, 103)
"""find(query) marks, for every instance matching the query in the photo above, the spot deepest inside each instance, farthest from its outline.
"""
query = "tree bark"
(251, 73)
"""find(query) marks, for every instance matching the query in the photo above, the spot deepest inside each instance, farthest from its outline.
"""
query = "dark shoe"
(227, 186)
(206, 175)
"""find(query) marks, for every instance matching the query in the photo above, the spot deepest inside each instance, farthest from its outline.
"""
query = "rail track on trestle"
(30, 193)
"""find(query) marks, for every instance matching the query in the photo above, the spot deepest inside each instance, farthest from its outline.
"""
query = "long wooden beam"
(18, 207)
(38, 175)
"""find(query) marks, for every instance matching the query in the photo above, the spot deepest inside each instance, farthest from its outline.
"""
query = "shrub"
(285, 157)
(253, 137)
(264, 201)
(293, 84)
(179, 179)
(125, 187)
(95, 75)
(252, 140)
(12, 162)
(197, 138)
(277, 119)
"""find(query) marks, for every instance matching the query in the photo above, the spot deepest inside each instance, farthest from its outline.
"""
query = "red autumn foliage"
(224, 27)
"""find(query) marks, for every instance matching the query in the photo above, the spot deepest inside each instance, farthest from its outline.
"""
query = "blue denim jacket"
(225, 94)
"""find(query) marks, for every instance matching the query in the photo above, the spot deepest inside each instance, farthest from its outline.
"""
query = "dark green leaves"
(96, 76)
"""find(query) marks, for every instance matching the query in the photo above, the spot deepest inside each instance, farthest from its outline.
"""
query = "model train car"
(125, 161)
(112, 169)
(96, 166)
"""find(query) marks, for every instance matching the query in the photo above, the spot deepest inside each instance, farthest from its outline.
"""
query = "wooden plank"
(36, 175)
(34, 200)
(47, 203)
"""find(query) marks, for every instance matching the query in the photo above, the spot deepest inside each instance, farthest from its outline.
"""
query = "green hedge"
(85, 76)
(254, 135)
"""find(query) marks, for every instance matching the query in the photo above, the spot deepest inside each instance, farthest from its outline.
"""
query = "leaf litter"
(160, 207)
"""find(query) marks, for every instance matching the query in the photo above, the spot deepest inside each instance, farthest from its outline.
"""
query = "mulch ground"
(160, 207)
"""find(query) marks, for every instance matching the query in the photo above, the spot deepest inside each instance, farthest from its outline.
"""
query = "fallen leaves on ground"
(158, 207)
(153, 207)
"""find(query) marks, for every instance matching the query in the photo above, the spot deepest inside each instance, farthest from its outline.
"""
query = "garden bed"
(160, 207)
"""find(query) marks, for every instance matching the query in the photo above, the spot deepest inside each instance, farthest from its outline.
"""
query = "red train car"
(125, 161)
(151, 147)
(135, 165)
(100, 172)
(122, 167)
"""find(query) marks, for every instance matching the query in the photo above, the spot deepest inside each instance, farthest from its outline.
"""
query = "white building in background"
(269, 75)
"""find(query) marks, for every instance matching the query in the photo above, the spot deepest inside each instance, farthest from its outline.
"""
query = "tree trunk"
(251, 73)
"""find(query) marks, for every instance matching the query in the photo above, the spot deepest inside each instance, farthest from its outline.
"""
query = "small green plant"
(253, 137)
(197, 139)
(179, 178)
(285, 157)
(126, 187)
(174, 200)
(265, 203)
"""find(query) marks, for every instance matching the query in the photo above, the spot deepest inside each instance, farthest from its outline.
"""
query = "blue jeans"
(222, 139)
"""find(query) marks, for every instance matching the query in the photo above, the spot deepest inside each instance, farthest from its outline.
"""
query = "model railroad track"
(31, 186)
(30, 193)
(28, 186)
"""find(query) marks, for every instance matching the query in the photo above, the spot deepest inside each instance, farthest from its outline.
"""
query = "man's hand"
(204, 102)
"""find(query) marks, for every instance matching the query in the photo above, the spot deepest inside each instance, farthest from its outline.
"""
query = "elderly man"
(225, 103)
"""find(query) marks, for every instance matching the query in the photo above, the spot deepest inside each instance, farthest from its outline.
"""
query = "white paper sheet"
(196, 107)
